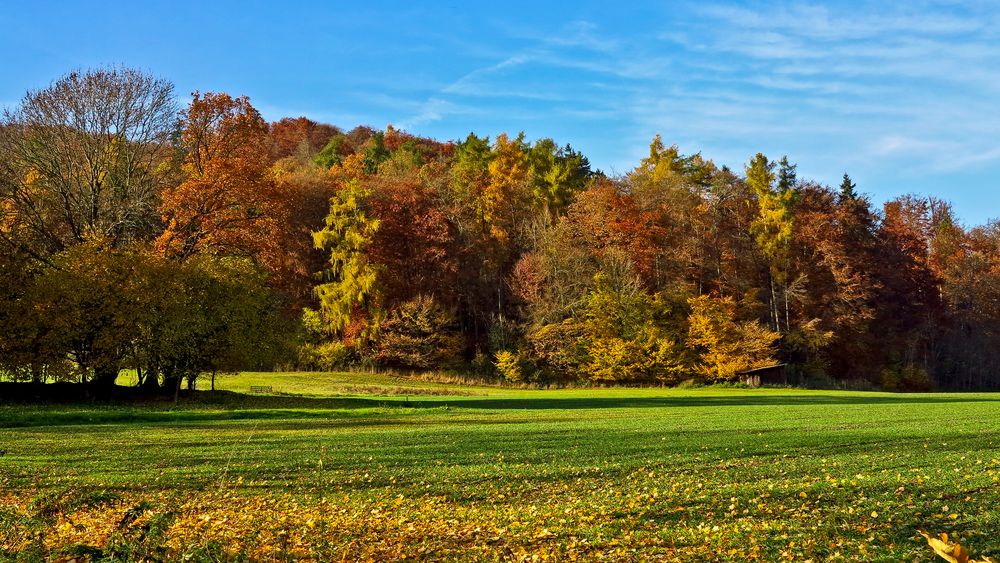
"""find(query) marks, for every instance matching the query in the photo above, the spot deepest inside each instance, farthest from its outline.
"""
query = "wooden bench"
(260, 388)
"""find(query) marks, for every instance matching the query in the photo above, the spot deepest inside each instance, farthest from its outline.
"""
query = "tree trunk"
(105, 376)
(775, 316)
(151, 382)
(788, 322)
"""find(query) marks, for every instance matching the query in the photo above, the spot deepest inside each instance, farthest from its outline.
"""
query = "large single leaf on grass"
(952, 552)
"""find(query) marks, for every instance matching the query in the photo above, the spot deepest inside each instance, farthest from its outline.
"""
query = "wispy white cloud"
(894, 145)
(434, 109)
(472, 79)
(856, 22)
(581, 35)
(585, 35)
(913, 83)
(907, 88)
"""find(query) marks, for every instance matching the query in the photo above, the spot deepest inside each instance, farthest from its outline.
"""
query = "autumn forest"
(180, 239)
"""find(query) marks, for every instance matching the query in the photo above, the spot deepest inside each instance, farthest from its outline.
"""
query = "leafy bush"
(509, 364)
(326, 356)
(905, 378)
(518, 367)
(645, 358)
(560, 348)
(481, 365)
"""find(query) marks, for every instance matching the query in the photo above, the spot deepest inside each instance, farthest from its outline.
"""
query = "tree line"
(180, 241)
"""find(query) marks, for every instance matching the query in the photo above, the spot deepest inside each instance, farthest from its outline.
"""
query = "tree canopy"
(134, 236)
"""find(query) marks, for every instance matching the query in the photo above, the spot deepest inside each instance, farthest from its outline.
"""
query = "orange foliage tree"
(229, 202)
(292, 134)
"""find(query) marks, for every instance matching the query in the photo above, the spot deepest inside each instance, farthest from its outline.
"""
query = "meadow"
(375, 467)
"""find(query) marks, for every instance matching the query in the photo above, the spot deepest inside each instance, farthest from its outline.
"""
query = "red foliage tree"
(605, 218)
(414, 245)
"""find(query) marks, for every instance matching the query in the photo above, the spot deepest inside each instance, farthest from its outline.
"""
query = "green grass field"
(356, 467)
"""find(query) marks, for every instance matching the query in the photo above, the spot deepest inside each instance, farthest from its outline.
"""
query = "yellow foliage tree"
(508, 173)
(773, 226)
(726, 345)
(349, 281)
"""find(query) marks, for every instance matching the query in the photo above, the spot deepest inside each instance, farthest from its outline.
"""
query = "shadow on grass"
(235, 400)
(206, 406)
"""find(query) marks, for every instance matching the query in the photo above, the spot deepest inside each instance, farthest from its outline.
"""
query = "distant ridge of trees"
(177, 242)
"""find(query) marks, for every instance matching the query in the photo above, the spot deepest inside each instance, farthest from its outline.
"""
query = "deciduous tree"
(85, 157)
(727, 346)
(228, 203)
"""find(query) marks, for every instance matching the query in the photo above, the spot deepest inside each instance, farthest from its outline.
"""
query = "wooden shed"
(769, 374)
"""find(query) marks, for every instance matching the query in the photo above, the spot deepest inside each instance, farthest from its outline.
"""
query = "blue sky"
(903, 96)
